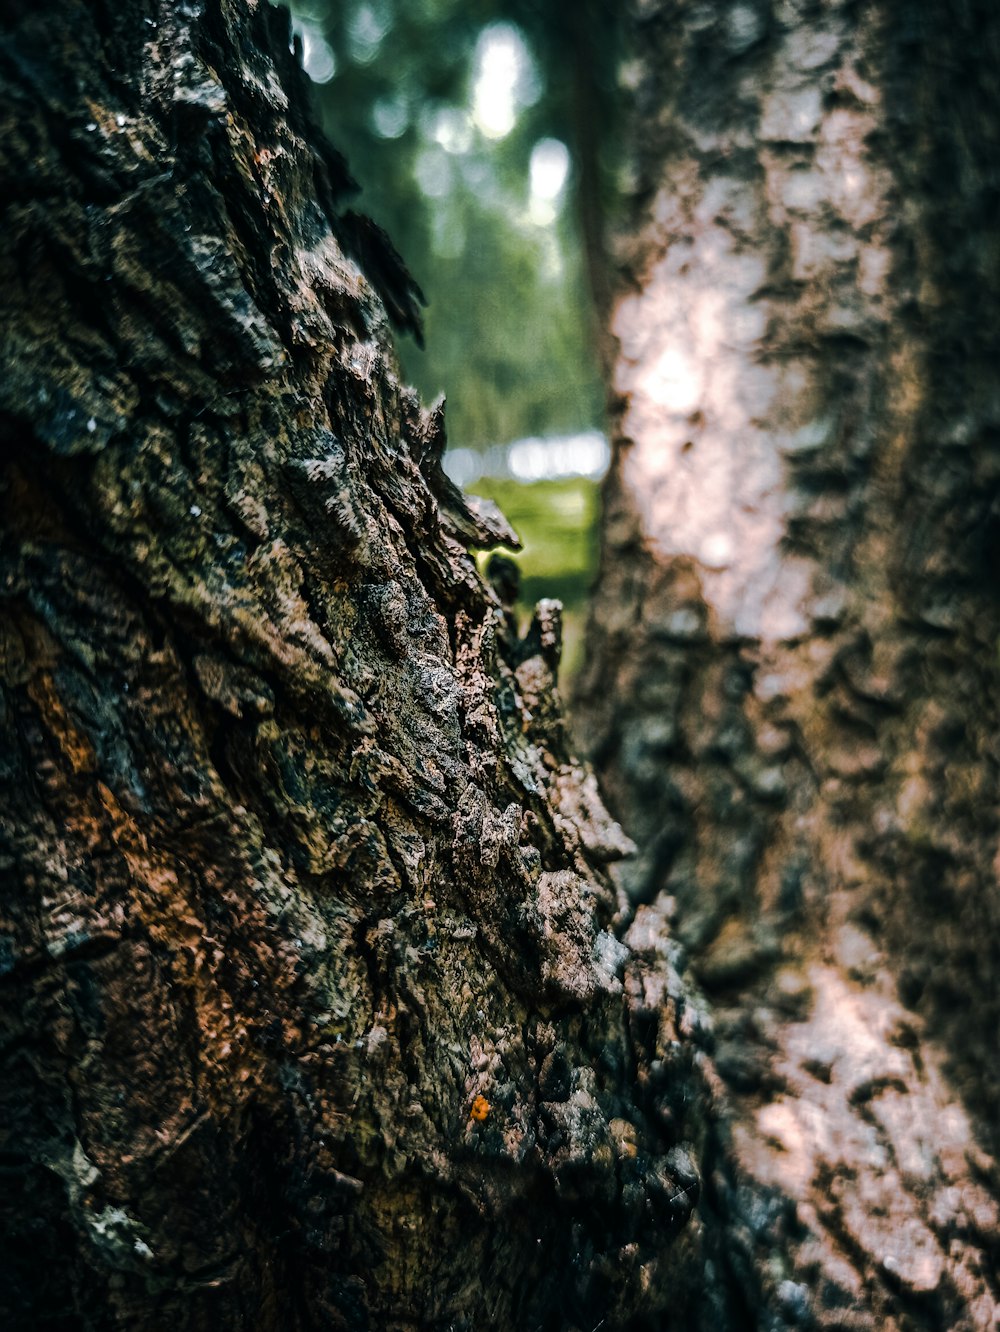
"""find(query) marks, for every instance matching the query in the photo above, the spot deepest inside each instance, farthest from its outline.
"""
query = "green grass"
(557, 524)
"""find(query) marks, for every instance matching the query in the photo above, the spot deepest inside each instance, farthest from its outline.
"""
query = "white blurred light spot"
(367, 28)
(674, 381)
(585, 454)
(536, 459)
(541, 213)
(463, 466)
(390, 117)
(504, 80)
(716, 550)
(452, 129)
(548, 171)
(318, 59)
(549, 168)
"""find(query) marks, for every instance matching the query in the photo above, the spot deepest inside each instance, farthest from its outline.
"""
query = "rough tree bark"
(792, 691)
(315, 1012)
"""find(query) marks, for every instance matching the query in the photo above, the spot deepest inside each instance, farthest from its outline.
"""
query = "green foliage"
(557, 524)
(509, 324)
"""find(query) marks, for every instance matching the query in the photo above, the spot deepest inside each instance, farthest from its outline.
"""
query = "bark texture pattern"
(315, 1010)
(793, 687)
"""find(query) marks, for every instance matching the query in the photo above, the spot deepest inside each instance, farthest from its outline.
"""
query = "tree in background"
(471, 129)
(792, 691)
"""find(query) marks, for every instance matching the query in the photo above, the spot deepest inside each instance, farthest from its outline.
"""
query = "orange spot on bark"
(75, 746)
(480, 1109)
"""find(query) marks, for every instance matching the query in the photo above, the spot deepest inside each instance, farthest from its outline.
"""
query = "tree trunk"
(792, 684)
(315, 1010)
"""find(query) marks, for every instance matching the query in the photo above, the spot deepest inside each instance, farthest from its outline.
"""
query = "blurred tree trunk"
(792, 689)
(315, 1013)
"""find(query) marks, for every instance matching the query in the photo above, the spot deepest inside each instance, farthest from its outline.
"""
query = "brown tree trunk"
(315, 1013)
(792, 688)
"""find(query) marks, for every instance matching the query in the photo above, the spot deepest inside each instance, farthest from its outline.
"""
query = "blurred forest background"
(480, 136)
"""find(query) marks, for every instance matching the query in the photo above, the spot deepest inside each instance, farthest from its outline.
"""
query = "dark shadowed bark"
(315, 1013)
(793, 686)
